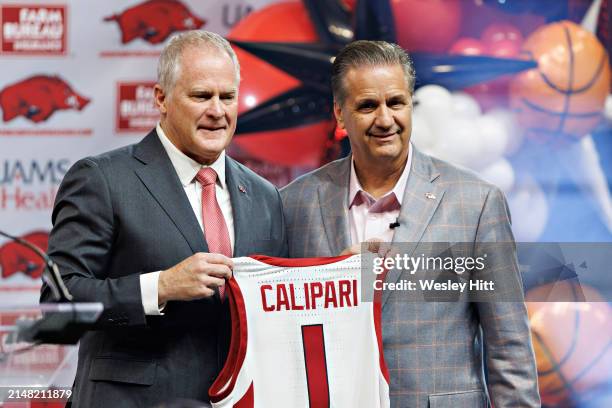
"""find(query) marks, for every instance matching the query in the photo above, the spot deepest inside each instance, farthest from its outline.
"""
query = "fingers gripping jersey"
(302, 337)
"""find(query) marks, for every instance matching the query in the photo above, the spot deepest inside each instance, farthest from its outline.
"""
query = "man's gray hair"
(368, 53)
(169, 61)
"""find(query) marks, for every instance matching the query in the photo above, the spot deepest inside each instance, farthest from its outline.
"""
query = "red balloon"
(492, 94)
(502, 39)
(504, 49)
(501, 32)
(299, 146)
(426, 25)
(478, 16)
(468, 46)
(349, 5)
(489, 94)
(287, 21)
(281, 22)
(260, 81)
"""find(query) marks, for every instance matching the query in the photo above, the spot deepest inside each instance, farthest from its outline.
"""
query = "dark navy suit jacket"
(124, 213)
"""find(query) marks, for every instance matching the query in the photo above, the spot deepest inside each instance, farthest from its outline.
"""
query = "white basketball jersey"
(302, 337)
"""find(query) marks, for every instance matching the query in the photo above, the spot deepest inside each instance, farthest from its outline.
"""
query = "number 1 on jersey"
(316, 365)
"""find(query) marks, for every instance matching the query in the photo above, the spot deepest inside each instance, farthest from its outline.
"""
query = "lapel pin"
(430, 196)
(242, 188)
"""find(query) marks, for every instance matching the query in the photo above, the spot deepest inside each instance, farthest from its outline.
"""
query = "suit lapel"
(160, 178)
(421, 199)
(240, 195)
(333, 203)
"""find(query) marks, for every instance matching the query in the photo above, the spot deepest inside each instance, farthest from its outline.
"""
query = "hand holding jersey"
(195, 277)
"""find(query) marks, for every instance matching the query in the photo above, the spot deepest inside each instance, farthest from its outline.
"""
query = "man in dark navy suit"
(149, 230)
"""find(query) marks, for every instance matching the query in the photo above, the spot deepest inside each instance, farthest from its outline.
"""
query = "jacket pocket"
(467, 399)
(138, 372)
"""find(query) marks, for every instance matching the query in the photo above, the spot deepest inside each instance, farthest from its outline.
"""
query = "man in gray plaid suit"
(386, 189)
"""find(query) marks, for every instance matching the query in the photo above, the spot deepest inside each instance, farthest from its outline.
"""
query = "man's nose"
(384, 117)
(215, 108)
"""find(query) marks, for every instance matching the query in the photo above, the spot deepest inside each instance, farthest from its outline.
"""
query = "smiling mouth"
(383, 136)
(211, 129)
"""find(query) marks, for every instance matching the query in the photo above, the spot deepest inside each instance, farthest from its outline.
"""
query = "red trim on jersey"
(247, 400)
(238, 346)
(316, 366)
(377, 311)
(298, 262)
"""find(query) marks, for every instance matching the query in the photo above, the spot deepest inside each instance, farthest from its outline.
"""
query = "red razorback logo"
(16, 258)
(155, 20)
(38, 97)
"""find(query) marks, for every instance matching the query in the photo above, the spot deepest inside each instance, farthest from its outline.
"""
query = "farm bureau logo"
(35, 29)
(136, 110)
(154, 20)
(38, 97)
(30, 185)
(16, 258)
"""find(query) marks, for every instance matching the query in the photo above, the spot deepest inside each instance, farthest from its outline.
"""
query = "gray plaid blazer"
(435, 351)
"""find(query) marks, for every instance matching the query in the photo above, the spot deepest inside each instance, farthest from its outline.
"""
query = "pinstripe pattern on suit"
(434, 350)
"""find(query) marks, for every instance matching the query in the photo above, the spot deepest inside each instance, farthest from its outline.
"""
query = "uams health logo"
(38, 97)
(17, 259)
(136, 110)
(154, 20)
(33, 29)
(30, 185)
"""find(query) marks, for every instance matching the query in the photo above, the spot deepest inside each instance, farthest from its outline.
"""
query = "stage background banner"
(77, 79)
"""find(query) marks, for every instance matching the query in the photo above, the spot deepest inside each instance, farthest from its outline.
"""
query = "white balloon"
(433, 96)
(513, 130)
(493, 139)
(608, 108)
(529, 210)
(500, 174)
(459, 142)
(422, 135)
(434, 103)
(465, 105)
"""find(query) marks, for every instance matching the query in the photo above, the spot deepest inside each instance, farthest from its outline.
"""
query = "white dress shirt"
(186, 169)
(370, 218)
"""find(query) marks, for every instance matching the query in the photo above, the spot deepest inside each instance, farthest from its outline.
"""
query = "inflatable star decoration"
(311, 64)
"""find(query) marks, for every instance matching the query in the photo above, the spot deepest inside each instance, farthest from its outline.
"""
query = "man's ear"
(338, 114)
(160, 98)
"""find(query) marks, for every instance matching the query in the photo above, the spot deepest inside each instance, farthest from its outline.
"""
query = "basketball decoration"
(563, 98)
(572, 340)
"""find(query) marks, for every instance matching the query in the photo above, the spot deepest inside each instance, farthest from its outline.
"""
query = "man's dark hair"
(368, 53)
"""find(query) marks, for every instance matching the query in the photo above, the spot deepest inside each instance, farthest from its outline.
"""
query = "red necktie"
(217, 236)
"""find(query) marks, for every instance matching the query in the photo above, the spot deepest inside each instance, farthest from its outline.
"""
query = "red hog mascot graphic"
(38, 97)
(16, 258)
(155, 20)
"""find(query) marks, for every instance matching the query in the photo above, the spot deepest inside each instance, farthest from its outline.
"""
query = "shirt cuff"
(149, 293)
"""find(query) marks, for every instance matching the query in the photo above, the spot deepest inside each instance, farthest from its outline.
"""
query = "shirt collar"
(187, 168)
(398, 190)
